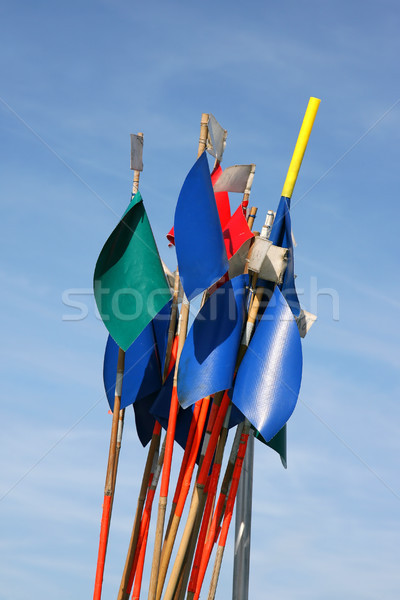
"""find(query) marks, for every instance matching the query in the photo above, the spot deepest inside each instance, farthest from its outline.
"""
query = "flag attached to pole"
(130, 287)
(199, 243)
(208, 358)
(268, 380)
(281, 235)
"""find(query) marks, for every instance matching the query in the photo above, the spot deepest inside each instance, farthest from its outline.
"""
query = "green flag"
(129, 282)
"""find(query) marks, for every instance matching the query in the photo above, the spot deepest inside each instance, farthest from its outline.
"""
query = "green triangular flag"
(278, 443)
(130, 287)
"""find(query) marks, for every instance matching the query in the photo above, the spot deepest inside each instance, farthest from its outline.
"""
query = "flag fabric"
(144, 420)
(142, 370)
(200, 247)
(136, 152)
(237, 238)
(222, 201)
(281, 235)
(129, 282)
(216, 140)
(143, 362)
(268, 380)
(208, 358)
(234, 179)
(277, 443)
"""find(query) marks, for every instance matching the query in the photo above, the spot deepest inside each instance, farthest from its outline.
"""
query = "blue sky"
(76, 79)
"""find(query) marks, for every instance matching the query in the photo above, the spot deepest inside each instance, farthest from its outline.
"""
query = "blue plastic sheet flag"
(208, 358)
(268, 380)
(160, 410)
(143, 362)
(144, 420)
(199, 242)
(281, 235)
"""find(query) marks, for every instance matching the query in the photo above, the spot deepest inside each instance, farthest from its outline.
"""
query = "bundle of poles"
(181, 553)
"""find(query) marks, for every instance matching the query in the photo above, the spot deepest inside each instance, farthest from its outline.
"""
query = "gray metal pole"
(241, 567)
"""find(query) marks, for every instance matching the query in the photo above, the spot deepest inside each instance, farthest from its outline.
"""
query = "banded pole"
(200, 566)
(212, 484)
(113, 455)
(185, 487)
(229, 510)
(140, 553)
(170, 357)
(184, 318)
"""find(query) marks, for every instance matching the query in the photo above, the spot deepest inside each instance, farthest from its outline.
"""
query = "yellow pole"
(300, 148)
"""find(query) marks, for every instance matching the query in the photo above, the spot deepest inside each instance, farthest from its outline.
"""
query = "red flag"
(236, 232)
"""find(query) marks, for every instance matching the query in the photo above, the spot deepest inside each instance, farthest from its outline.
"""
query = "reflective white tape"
(118, 383)
(247, 334)
(136, 152)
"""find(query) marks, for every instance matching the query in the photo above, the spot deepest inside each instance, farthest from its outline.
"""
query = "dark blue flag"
(199, 242)
(208, 358)
(143, 362)
(281, 235)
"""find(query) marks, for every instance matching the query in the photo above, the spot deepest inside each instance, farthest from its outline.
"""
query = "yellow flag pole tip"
(300, 148)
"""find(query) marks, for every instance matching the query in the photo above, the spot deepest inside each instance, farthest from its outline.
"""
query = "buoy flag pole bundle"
(238, 366)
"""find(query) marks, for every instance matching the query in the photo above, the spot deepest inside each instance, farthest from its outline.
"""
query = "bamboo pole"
(165, 482)
(153, 449)
(123, 593)
(113, 455)
(213, 481)
(138, 563)
(198, 498)
(188, 557)
(229, 510)
(110, 478)
(185, 459)
(204, 553)
(211, 489)
(171, 534)
(173, 412)
(246, 195)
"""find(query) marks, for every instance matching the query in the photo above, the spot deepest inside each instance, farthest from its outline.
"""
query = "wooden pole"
(138, 563)
(229, 510)
(198, 498)
(246, 195)
(153, 449)
(113, 456)
(185, 459)
(173, 412)
(204, 552)
(186, 481)
(110, 478)
(123, 593)
(164, 484)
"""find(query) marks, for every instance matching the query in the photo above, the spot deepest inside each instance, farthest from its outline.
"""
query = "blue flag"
(281, 235)
(268, 380)
(199, 242)
(143, 362)
(160, 410)
(208, 358)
